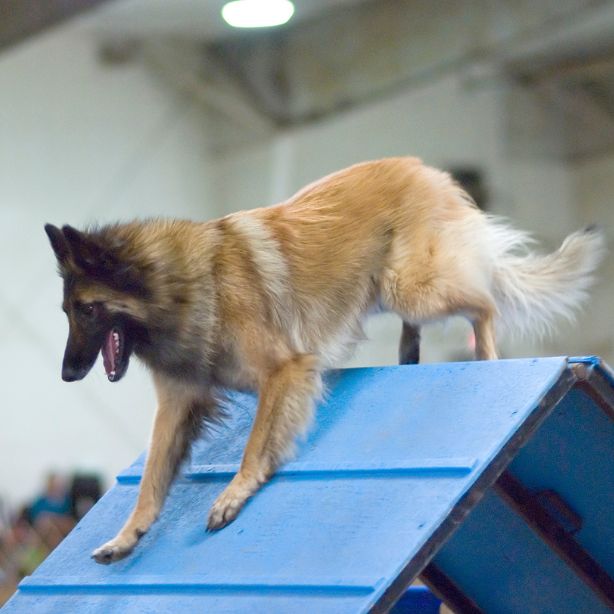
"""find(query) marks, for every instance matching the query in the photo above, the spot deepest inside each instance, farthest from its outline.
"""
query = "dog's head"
(103, 299)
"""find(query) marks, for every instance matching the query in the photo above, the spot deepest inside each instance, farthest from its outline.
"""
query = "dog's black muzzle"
(80, 356)
(70, 374)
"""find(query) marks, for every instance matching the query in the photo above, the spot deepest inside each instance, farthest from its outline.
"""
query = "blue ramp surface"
(397, 459)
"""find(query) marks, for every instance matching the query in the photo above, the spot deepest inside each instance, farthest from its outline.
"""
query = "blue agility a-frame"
(494, 480)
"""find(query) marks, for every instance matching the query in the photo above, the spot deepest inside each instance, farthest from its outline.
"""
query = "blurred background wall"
(141, 108)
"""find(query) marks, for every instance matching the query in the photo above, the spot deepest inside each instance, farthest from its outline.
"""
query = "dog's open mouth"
(113, 354)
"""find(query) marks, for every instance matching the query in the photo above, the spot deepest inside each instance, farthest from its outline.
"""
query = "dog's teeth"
(116, 342)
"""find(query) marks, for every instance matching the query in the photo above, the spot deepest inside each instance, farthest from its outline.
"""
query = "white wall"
(593, 182)
(79, 143)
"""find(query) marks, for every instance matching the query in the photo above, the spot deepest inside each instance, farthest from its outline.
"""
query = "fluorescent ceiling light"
(257, 13)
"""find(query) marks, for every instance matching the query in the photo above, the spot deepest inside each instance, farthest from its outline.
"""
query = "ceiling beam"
(20, 19)
(190, 69)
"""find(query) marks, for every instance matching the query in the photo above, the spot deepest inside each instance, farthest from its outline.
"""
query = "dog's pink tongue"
(108, 353)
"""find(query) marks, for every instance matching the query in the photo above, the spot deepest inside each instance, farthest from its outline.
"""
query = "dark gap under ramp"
(494, 480)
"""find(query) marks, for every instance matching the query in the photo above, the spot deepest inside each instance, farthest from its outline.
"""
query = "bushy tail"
(533, 291)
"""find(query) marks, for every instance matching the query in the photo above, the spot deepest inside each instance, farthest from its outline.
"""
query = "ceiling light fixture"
(257, 13)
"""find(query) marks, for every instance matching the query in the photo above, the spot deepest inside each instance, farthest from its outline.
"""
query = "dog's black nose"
(71, 375)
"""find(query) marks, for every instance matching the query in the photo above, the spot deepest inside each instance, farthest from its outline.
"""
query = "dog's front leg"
(180, 413)
(284, 411)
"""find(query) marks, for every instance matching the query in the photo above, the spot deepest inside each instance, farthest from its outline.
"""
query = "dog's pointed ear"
(58, 243)
(86, 252)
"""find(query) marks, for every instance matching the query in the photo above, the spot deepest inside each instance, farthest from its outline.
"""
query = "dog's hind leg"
(434, 301)
(409, 346)
(284, 411)
(483, 327)
(178, 421)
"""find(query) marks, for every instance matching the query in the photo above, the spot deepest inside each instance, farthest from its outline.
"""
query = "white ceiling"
(200, 19)
(346, 52)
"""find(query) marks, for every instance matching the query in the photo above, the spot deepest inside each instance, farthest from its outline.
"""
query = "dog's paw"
(225, 509)
(112, 551)
(228, 505)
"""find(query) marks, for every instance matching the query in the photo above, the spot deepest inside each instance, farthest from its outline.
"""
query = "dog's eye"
(87, 309)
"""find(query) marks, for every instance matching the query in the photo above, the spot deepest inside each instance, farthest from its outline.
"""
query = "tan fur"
(268, 298)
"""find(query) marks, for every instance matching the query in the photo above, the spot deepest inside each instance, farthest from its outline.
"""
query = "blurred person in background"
(30, 534)
(50, 513)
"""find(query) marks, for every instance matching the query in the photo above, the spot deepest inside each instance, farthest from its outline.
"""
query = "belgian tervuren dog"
(266, 299)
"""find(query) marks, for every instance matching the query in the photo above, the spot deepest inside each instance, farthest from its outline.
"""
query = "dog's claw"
(103, 557)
